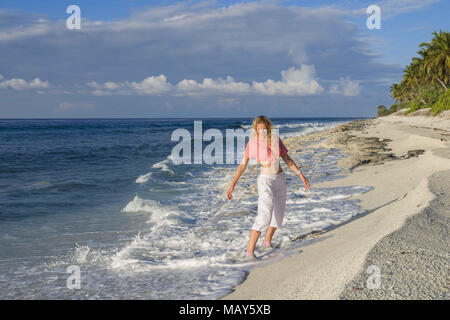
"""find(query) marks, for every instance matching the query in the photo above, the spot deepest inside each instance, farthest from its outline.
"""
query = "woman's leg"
(265, 209)
(269, 234)
(279, 205)
(254, 235)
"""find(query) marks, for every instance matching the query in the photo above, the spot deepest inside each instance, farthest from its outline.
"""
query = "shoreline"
(395, 156)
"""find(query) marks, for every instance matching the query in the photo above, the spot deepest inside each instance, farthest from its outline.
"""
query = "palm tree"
(412, 75)
(399, 91)
(426, 75)
(436, 58)
(395, 91)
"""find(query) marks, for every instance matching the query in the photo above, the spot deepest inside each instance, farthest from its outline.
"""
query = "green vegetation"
(442, 104)
(426, 80)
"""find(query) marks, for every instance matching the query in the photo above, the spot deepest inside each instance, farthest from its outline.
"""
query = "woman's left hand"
(305, 181)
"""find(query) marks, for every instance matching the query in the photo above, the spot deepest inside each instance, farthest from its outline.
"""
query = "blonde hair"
(269, 127)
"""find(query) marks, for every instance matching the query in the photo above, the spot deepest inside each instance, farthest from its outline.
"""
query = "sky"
(155, 59)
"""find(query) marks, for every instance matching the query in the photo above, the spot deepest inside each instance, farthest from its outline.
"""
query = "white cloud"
(101, 93)
(148, 86)
(212, 50)
(201, 33)
(392, 8)
(346, 87)
(111, 86)
(295, 82)
(389, 8)
(37, 83)
(151, 85)
(209, 86)
(21, 84)
(191, 16)
(37, 29)
(95, 85)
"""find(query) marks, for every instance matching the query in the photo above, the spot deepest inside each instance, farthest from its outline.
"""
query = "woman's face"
(261, 128)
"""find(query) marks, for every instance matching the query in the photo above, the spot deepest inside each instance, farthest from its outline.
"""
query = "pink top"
(257, 149)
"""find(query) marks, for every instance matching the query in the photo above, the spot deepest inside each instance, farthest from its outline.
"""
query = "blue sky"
(138, 58)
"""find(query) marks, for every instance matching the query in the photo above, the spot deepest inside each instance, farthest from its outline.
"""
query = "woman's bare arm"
(239, 171)
(291, 164)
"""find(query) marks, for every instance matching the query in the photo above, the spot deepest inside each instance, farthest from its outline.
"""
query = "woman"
(267, 148)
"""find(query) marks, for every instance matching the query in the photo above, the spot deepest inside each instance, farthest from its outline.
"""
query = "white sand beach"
(400, 178)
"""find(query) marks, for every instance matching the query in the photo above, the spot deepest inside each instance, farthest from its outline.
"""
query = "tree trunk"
(445, 87)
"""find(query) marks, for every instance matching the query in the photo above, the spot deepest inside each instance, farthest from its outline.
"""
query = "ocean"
(102, 197)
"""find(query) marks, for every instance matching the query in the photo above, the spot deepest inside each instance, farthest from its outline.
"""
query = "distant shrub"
(393, 108)
(382, 111)
(400, 106)
(403, 105)
(443, 103)
(430, 96)
(415, 105)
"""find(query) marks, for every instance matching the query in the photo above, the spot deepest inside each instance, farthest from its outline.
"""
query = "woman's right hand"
(230, 190)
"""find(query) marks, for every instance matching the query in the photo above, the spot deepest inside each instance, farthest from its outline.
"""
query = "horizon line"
(112, 118)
